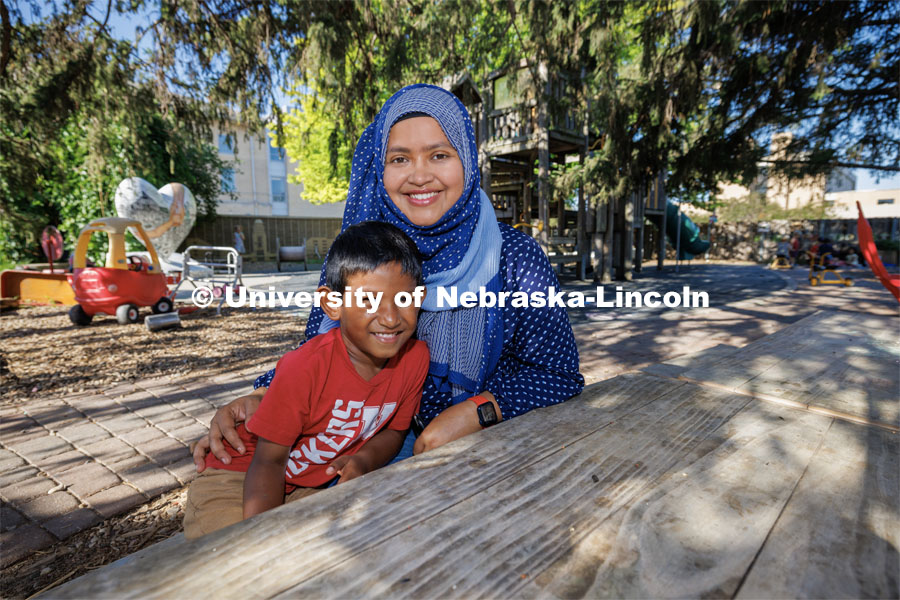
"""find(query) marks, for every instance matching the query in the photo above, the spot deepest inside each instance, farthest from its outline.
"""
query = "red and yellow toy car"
(124, 284)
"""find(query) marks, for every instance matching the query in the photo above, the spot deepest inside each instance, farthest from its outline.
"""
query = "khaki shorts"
(216, 500)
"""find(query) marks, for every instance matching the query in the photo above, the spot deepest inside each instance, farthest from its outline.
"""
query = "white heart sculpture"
(167, 214)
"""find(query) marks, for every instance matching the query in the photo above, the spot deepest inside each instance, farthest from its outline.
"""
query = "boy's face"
(372, 338)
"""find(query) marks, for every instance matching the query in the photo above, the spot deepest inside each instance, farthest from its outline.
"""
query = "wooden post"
(543, 133)
(661, 200)
(484, 132)
(639, 227)
(529, 190)
(606, 274)
(581, 221)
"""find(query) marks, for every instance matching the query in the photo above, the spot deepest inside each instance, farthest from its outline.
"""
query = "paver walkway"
(67, 464)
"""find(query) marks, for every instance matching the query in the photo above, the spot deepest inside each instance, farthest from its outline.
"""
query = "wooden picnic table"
(644, 486)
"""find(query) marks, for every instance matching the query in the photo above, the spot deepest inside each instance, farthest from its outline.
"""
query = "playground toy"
(51, 244)
(870, 253)
(781, 262)
(124, 284)
(217, 275)
(689, 236)
(819, 271)
(290, 254)
(28, 286)
(167, 214)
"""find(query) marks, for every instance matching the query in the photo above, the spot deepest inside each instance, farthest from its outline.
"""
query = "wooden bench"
(644, 486)
(319, 247)
(564, 251)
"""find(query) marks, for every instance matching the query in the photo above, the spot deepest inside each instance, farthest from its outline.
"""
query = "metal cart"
(213, 267)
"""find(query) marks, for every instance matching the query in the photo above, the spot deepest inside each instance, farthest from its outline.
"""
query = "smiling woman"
(416, 167)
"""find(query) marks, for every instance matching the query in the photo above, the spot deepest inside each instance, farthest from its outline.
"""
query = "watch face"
(486, 414)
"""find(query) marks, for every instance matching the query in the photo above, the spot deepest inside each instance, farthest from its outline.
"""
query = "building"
(259, 182)
(875, 203)
(789, 193)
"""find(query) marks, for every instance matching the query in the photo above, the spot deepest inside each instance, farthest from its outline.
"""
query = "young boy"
(340, 404)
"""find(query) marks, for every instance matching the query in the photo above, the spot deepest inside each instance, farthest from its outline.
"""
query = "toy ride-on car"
(124, 284)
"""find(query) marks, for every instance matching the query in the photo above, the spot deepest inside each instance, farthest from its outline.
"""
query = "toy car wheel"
(848, 282)
(163, 305)
(79, 317)
(127, 313)
(813, 281)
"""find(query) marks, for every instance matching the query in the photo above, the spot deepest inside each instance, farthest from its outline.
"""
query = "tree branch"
(845, 165)
(6, 40)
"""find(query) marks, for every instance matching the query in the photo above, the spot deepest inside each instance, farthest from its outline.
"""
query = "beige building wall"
(259, 180)
(875, 203)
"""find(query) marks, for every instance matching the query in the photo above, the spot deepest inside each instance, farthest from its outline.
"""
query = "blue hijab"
(461, 249)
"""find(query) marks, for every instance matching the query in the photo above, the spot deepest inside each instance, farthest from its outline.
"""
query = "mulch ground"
(44, 356)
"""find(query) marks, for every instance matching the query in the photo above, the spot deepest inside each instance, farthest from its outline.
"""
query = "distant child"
(239, 240)
(852, 259)
(340, 405)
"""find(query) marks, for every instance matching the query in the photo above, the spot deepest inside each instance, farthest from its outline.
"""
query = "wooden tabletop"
(643, 486)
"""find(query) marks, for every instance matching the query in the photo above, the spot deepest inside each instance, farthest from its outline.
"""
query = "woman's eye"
(397, 160)
(441, 156)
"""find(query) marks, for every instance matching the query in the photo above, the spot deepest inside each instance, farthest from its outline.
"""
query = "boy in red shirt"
(340, 405)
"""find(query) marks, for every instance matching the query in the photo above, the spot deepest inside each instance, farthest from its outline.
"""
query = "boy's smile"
(374, 337)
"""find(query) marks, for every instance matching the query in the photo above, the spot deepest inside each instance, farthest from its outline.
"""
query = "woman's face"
(423, 174)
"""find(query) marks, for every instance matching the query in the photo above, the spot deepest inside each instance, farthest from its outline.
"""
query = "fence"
(260, 233)
(758, 241)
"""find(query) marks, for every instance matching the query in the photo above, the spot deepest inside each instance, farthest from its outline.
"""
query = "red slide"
(870, 253)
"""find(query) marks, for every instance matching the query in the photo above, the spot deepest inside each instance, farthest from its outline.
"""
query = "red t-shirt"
(322, 408)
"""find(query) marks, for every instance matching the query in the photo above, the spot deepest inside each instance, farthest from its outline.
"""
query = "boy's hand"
(348, 467)
(455, 422)
(223, 426)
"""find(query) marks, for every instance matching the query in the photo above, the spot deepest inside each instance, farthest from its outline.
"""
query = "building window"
(228, 185)
(885, 201)
(226, 144)
(279, 189)
(276, 154)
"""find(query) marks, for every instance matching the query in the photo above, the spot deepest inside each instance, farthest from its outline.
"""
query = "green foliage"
(754, 208)
(693, 89)
(311, 138)
(77, 185)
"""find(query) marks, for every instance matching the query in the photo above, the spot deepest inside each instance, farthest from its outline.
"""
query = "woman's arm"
(539, 363)
(223, 425)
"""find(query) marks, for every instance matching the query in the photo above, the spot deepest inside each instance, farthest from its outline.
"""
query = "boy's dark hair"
(366, 246)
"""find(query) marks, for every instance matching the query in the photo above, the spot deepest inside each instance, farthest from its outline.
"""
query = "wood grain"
(842, 364)
(296, 540)
(840, 532)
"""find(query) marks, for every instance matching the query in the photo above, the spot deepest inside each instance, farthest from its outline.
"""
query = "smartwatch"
(487, 414)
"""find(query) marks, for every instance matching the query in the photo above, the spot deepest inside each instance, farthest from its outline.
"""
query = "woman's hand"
(223, 426)
(455, 422)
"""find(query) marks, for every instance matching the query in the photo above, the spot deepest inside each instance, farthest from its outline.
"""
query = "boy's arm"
(375, 453)
(264, 484)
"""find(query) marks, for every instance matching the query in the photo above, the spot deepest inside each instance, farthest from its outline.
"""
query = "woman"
(416, 166)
